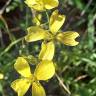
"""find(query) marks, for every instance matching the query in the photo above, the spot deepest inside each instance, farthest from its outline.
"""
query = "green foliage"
(75, 66)
(13, 5)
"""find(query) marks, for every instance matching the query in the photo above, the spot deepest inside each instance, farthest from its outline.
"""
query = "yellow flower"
(53, 34)
(44, 71)
(1, 76)
(41, 5)
(47, 51)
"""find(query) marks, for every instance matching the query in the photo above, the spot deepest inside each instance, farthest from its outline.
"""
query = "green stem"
(8, 66)
(44, 24)
(47, 16)
(12, 38)
(10, 46)
(27, 16)
(62, 84)
(1, 39)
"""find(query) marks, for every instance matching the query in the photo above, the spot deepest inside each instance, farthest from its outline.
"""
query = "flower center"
(32, 79)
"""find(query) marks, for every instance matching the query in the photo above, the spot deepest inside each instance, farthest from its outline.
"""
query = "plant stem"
(10, 46)
(4, 7)
(86, 7)
(47, 16)
(62, 84)
(1, 39)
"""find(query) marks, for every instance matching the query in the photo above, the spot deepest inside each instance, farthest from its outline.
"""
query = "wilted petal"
(68, 38)
(47, 51)
(45, 70)
(20, 86)
(56, 21)
(22, 67)
(37, 89)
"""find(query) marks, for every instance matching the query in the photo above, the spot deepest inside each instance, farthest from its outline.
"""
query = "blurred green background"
(76, 66)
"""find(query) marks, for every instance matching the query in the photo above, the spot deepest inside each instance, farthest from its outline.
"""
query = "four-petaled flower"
(44, 71)
(41, 5)
(52, 35)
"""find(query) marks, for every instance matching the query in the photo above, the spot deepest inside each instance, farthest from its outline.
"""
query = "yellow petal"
(35, 4)
(45, 70)
(41, 5)
(56, 21)
(35, 34)
(34, 29)
(1, 76)
(37, 89)
(30, 2)
(47, 51)
(49, 4)
(22, 67)
(20, 86)
(68, 38)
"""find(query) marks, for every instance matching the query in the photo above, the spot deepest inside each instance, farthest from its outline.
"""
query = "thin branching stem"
(12, 38)
(47, 16)
(4, 7)
(87, 6)
(62, 84)
(10, 46)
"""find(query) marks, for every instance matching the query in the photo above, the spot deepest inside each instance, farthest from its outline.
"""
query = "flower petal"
(35, 4)
(45, 70)
(47, 51)
(30, 3)
(50, 4)
(41, 5)
(22, 67)
(35, 34)
(56, 21)
(38, 90)
(68, 38)
(20, 86)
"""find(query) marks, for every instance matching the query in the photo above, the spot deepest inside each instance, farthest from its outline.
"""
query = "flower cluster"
(45, 68)
(44, 71)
